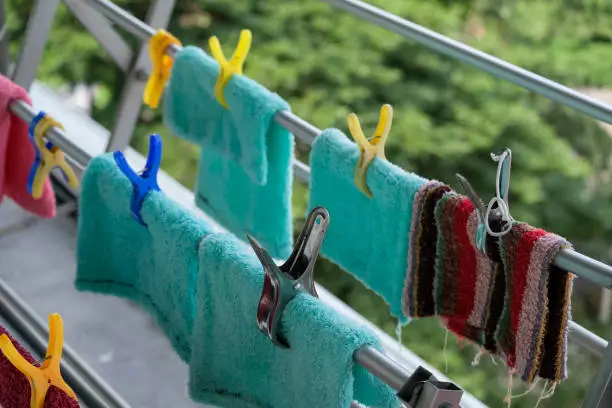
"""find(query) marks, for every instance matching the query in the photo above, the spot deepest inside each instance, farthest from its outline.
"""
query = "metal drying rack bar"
(91, 389)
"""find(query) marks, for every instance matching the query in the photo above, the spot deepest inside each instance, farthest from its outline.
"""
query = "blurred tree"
(448, 117)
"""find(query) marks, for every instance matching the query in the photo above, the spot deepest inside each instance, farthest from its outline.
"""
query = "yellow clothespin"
(369, 149)
(162, 65)
(48, 374)
(50, 156)
(231, 67)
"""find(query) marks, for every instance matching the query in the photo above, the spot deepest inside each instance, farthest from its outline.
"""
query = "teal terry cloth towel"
(155, 266)
(368, 237)
(233, 364)
(245, 173)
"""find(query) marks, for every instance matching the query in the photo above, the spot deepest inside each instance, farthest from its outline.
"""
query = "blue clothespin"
(146, 180)
(35, 166)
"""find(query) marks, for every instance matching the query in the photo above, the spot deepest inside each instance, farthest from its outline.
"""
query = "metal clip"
(499, 205)
(481, 212)
(283, 283)
(493, 219)
(423, 390)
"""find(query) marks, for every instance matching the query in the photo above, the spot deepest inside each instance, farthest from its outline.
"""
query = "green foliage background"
(448, 118)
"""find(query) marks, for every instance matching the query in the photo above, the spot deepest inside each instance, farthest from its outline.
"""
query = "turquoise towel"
(368, 237)
(245, 173)
(233, 364)
(155, 266)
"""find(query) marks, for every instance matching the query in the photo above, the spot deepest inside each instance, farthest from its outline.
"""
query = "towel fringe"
(444, 354)
(398, 337)
(476, 360)
(546, 394)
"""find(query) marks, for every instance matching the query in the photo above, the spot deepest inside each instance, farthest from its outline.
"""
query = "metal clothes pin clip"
(498, 206)
(48, 374)
(423, 390)
(162, 65)
(146, 180)
(47, 156)
(481, 212)
(283, 283)
(231, 67)
(369, 149)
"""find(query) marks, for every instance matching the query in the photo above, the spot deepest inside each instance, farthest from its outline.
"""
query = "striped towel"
(532, 332)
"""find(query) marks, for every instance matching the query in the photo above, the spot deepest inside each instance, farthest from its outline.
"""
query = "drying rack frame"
(94, 14)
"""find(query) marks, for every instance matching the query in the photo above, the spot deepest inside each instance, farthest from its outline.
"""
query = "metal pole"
(600, 392)
(37, 33)
(471, 56)
(92, 390)
(130, 102)
(4, 37)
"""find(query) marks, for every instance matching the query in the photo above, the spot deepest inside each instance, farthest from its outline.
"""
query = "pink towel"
(15, 388)
(17, 155)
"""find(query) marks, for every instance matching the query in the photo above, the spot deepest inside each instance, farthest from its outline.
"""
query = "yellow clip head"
(48, 374)
(369, 149)
(162, 65)
(231, 67)
(49, 158)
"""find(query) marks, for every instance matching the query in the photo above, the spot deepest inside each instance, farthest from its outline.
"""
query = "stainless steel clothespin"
(423, 390)
(498, 208)
(283, 283)
(481, 212)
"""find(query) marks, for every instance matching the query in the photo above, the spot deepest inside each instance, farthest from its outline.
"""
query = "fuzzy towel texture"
(155, 266)
(368, 237)
(15, 388)
(17, 154)
(465, 277)
(245, 173)
(418, 300)
(532, 333)
(234, 365)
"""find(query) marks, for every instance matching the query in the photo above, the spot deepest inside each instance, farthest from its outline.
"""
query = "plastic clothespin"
(48, 374)
(162, 65)
(47, 156)
(231, 67)
(146, 180)
(283, 283)
(369, 149)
